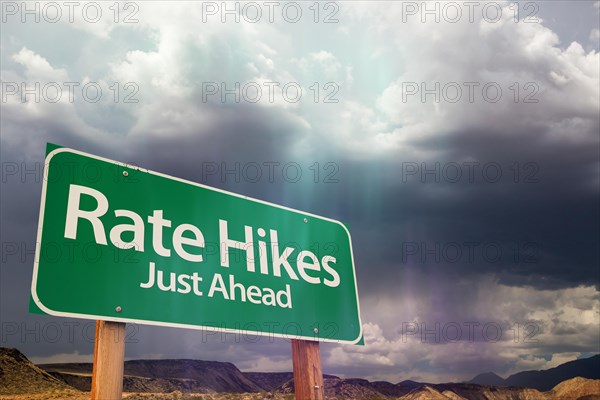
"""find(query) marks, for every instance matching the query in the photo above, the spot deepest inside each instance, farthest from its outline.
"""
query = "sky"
(458, 141)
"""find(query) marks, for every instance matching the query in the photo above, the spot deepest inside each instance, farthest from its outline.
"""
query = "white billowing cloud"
(40, 101)
(407, 333)
(383, 358)
(533, 362)
(379, 352)
(523, 60)
(542, 85)
(183, 82)
(351, 117)
(37, 68)
(164, 90)
(324, 60)
(99, 19)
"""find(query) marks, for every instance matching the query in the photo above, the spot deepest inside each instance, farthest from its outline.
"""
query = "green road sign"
(121, 243)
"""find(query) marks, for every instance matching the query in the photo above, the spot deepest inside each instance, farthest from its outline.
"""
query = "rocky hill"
(483, 392)
(269, 381)
(19, 375)
(428, 393)
(572, 389)
(395, 390)
(338, 388)
(576, 389)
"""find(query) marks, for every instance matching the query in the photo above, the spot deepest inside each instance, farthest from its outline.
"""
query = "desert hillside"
(19, 375)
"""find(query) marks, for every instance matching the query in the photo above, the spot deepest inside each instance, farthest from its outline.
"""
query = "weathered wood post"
(308, 375)
(109, 358)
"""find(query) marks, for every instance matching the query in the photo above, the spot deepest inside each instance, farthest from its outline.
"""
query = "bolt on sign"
(121, 243)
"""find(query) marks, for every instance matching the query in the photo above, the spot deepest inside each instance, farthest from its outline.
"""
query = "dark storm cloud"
(535, 201)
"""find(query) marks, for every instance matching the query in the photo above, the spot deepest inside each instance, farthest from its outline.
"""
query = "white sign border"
(171, 324)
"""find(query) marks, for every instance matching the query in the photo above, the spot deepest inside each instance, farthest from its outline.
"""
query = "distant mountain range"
(19, 375)
(164, 376)
(546, 379)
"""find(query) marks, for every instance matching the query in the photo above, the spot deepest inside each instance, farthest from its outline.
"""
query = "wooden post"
(109, 357)
(308, 376)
